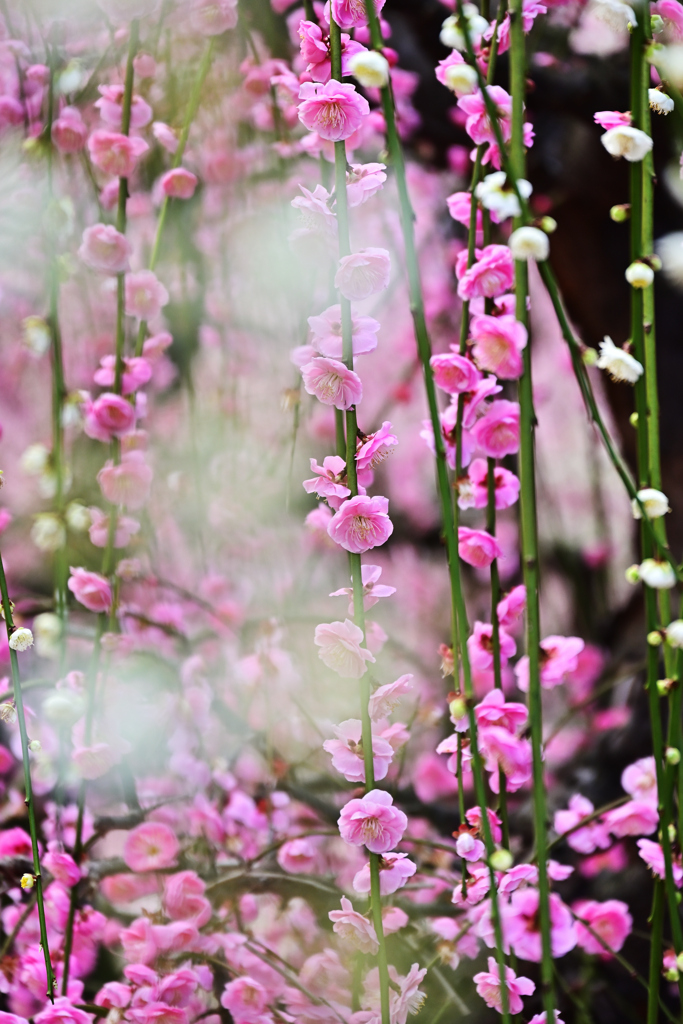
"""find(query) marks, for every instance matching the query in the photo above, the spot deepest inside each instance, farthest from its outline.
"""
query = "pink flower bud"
(69, 132)
(91, 589)
(108, 416)
(178, 183)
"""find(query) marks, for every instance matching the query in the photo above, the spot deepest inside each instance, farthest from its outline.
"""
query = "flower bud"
(529, 244)
(654, 502)
(77, 517)
(639, 275)
(656, 24)
(47, 630)
(672, 756)
(671, 974)
(674, 633)
(633, 419)
(36, 336)
(48, 532)
(620, 213)
(63, 707)
(548, 224)
(34, 746)
(461, 79)
(28, 881)
(654, 638)
(370, 68)
(671, 830)
(664, 686)
(501, 860)
(458, 709)
(589, 356)
(21, 639)
(657, 574)
(632, 574)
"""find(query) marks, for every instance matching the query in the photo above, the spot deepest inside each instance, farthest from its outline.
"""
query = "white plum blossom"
(654, 502)
(624, 140)
(21, 639)
(452, 36)
(620, 365)
(659, 101)
(656, 574)
(674, 633)
(370, 68)
(496, 194)
(529, 244)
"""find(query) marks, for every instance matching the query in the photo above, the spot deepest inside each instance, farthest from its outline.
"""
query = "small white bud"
(21, 639)
(655, 503)
(48, 532)
(34, 746)
(623, 140)
(674, 633)
(35, 459)
(632, 574)
(529, 244)
(654, 638)
(656, 574)
(461, 79)
(672, 756)
(639, 275)
(659, 101)
(63, 707)
(620, 365)
(77, 517)
(36, 335)
(370, 68)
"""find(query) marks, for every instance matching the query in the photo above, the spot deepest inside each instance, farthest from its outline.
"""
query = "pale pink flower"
(92, 590)
(506, 486)
(469, 848)
(611, 118)
(165, 136)
(110, 106)
(326, 331)
(99, 529)
(488, 987)
(477, 547)
(498, 343)
(593, 836)
(478, 884)
(340, 649)
(11, 112)
(559, 658)
(495, 710)
(394, 871)
(491, 275)
(137, 372)
(453, 373)
(375, 448)
(363, 273)
(353, 928)
(213, 17)
(610, 920)
(69, 132)
(151, 847)
(361, 523)
(352, 13)
(373, 822)
(318, 218)
(386, 698)
(480, 646)
(145, 65)
(332, 382)
(184, 898)
(653, 855)
(364, 181)
(95, 760)
(372, 592)
(127, 483)
(347, 752)
(639, 780)
(108, 416)
(178, 183)
(145, 295)
(522, 926)
(116, 154)
(246, 999)
(298, 857)
(497, 432)
(62, 1011)
(635, 818)
(505, 752)
(530, 11)
(542, 1018)
(327, 481)
(334, 110)
(105, 249)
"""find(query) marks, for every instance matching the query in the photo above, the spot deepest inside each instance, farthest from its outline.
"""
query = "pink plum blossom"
(165, 136)
(137, 371)
(361, 523)
(480, 645)
(394, 871)
(498, 343)
(364, 181)
(128, 483)
(611, 118)
(489, 987)
(653, 855)
(495, 710)
(340, 649)
(298, 857)
(334, 110)
(327, 481)
(374, 448)
(126, 528)
(454, 373)
(473, 816)
(318, 218)
(363, 273)
(246, 999)
(213, 17)
(332, 382)
(110, 106)
(61, 865)
(145, 295)
(150, 847)
(90, 589)
(522, 928)
(105, 249)
(511, 607)
(178, 183)
(672, 15)
(116, 154)
(347, 752)
(477, 547)
(326, 333)
(497, 432)
(503, 751)
(591, 837)
(372, 592)
(634, 818)
(352, 13)
(69, 132)
(477, 124)
(460, 203)
(491, 274)
(610, 921)
(506, 486)
(639, 780)
(184, 898)
(559, 658)
(315, 52)
(386, 698)
(372, 821)
(108, 416)
(353, 928)
(469, 848)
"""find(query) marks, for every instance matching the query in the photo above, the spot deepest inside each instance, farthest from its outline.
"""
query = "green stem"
(29, 800)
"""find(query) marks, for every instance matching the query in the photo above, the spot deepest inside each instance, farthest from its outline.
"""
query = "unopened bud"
(671, 974)
(620, 213)
(458, 709)
(671, 830)
(656, 24)
(664, 686)
(589, 356)
(28, 881)
(34, 746)
(501, 860)
(672, 755)
(633, 419)
(654, 638)
(632, 574)
(548, 224)
(639, 275)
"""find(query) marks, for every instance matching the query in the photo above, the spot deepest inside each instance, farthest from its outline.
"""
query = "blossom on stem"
(327, 481)
(504, 752)
(108, 416)
(480, 646)
(529, 243)
(340, 649)
(559, 657)
(151, 846)
(498, 343)
(386, 698)
(354, 928)
(394, 871)
(347, 752)
(318, 217)
(657, 574)
(326, 333)
(363, 273)
(612, 118)
(592, 836)
(127, 483)
(623, 140)
(610, 921)
(361, 523)
(506, 486)
(653, 855)
(91, 589)
(352, 13)
(178, 183)
(105, 249)
(497, 432)
(457, 75)
(620, 365)
(634, 818)
(69, 131)
(489, 987)
(372, 592)
(495, 710)
(110, 106)
(372, 821)
(334, 110)
(21, 639)
(496, 194)
(454, 373)
(116, 154)
(364, 181)
(370, 68)
(137, 371)
(375, 448)
(477, 547)
(654, 502)
(521, 925)
(245, 999)
(491, 274)
(144, 295)
(332, 382)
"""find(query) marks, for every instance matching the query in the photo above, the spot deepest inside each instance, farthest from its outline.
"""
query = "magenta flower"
(480, 646)
(326, 331)
(474, 819)
(314, 47)
(469, 848)
(150, 847)
(611, 118)
(488, 987)
(352, 13)
(491, 275)
(453, 373)
(184, 898)
(340, 649)
(475, 494)
(108, 416)
(334, 110)
(375, 448)
(593, 836)
(498, 343)
(347, 752)
(460, 203)
(559, 658)
(92, 590)
(477, 547)
(373, 822)
(62, 1011)
(178, 183)
(332, 382)
(505, 752)
(105, 249)
(353, 928)
(386, 698)
(145, 295)
(361, 523)
(327, 481)
(497, 432)
(610, 920)
(116, 154)
(137, 372)
(635, 818)
(363, 273)
(61, 865)
(127, 483)
(69, 131)
(394, 871)
(495, 710)
(110, 106)
(512, 606)
(246, 1000)
(522, 928)
(477, 124)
